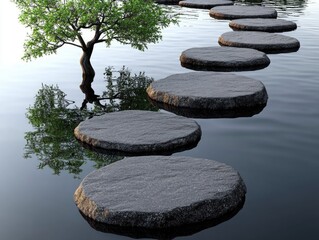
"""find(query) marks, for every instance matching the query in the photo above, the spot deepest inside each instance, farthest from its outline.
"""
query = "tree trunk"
(88, 74)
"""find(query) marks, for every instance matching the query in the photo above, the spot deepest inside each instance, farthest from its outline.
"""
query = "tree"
(55, 23)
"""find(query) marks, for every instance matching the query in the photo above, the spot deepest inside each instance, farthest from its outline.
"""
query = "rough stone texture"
(266, 42)
(160, 192)
(206, 4)
(224, 59)
(138, 131)
(237, 11)
(264, 25)
(208, 90)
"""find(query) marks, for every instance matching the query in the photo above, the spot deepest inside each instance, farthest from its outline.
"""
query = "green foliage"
(54, 119)
(127, 91)
(54, 23)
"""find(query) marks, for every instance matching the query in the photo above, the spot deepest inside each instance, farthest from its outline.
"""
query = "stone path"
(266, 42)
(208, 90)
(223, 59)
(263, 24)
(139, 132)
(160, 192)
(205, 4)
(236, 11)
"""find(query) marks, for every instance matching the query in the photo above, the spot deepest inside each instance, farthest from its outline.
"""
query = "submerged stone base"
(160, 192)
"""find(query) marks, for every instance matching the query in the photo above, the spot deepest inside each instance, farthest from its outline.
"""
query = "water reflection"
(54, 118)
(208, 113)
(284, 7)
(163, 233)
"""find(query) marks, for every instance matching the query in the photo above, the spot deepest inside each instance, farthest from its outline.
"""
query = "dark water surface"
(276, 151)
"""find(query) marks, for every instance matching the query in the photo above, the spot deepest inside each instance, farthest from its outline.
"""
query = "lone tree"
(55, 23)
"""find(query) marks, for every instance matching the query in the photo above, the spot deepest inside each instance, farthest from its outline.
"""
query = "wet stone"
(208, 90)
(205, 4)
(160, 192)
(266, 42)
(135, 131)
(224, 59)
(264, 25)
(237, 11)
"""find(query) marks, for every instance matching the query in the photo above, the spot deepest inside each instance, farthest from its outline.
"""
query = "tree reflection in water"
(54, 118)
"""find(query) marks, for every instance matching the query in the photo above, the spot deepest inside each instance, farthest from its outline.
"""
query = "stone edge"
(209, 209)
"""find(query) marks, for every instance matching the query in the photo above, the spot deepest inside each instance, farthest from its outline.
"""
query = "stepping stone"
(236, 11)
(266, 42)
(206, 4)
(262, 24)
(224, 59)
(160, 192)
(140, 132)
(208, 90)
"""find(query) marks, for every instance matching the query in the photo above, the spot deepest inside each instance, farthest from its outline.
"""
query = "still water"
(276, 151)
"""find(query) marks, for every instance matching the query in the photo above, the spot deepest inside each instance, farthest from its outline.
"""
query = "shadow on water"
(162, 233)
(222, 69)
(54, 118)
(168, 152)
(207, 113)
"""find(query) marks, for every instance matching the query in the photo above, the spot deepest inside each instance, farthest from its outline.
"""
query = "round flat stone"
(262, 24)
(237, 11)
(137, 131)
(266, 42)
(224, 59)
(206, 4)
(208, 90)
(160, 192)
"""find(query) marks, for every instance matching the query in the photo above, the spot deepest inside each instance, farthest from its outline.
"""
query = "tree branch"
(69, 43)
(74, 44)
(79, 36)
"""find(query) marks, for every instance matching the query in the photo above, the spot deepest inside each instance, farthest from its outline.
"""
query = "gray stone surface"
(224, 59)
(266, 42)
(237, 11)
(137, 131)
(262, 24)
(208, 90)
(205, 4)
(160, 192)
